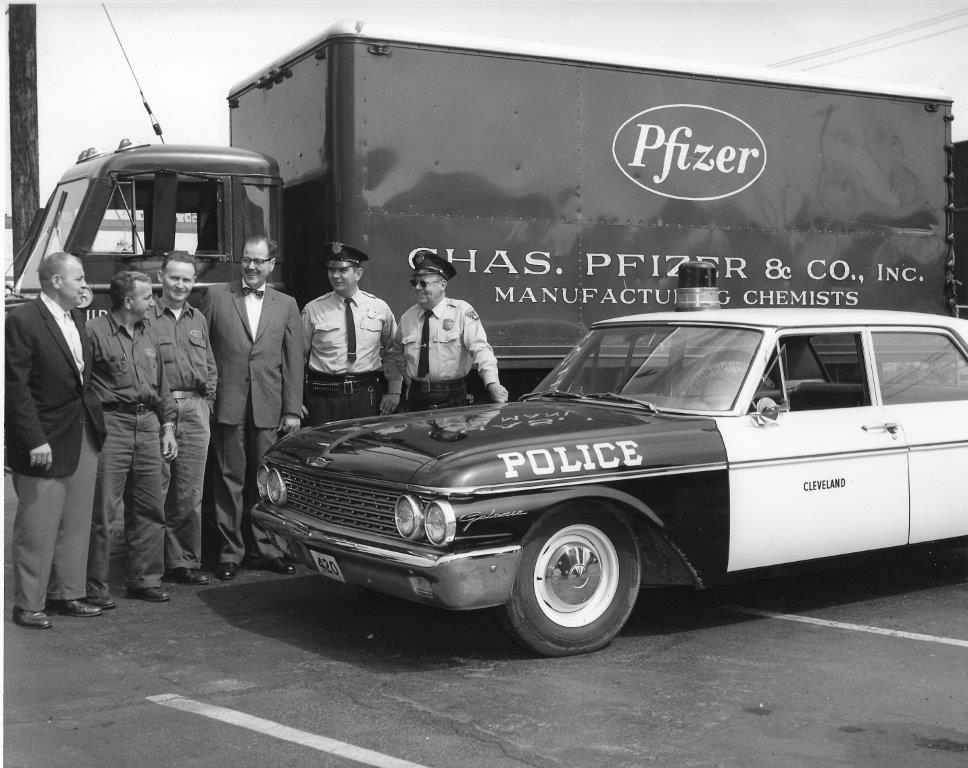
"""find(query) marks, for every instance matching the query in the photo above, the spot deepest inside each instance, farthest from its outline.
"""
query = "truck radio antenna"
(154, 122)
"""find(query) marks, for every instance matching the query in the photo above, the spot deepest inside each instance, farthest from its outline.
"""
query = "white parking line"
(269, 728)
(842, 625)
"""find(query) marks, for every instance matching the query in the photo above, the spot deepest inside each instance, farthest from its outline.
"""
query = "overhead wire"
(886, 47)
(875, 38)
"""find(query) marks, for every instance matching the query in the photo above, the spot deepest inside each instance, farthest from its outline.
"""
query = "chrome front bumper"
(459, 581)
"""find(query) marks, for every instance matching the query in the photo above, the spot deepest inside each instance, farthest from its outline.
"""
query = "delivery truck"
(565, 185)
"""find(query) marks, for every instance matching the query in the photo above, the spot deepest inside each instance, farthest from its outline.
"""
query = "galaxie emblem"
(689, 152)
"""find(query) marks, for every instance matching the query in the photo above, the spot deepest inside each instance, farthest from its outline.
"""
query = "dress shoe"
(31, 619)
(73, 608)
(226, 571)
(186, 576)
(104, 603)
(151, 594)
(278, 565)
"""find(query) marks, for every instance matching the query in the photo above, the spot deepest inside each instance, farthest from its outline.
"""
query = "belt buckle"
(348, 388)
(425, 385)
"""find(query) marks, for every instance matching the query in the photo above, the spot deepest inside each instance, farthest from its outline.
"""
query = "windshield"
(53, 232)
(695, 368)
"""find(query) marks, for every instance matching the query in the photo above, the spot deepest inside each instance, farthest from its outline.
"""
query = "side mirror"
(767, 412)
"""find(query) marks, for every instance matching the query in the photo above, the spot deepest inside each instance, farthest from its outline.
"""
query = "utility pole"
(24, 163)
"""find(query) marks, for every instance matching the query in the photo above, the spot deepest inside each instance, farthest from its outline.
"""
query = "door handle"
(888, 426)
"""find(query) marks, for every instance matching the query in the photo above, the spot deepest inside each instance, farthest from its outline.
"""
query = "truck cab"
(125, 209)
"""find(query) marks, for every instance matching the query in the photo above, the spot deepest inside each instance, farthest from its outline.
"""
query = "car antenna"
(154, 122)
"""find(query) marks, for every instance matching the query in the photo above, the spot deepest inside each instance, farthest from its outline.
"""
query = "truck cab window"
(130, 217)
(58, 222)
(256, 211)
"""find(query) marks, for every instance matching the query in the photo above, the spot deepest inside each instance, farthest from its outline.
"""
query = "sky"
(188, 55)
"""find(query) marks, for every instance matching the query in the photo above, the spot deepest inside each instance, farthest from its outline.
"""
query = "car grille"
(344, 504)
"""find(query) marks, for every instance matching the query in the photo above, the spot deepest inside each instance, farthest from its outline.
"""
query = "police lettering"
(565, 460)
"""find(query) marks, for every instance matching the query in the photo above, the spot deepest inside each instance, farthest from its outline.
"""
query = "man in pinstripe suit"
(54, 430)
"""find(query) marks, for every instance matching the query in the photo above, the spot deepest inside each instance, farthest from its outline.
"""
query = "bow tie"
(246, 290)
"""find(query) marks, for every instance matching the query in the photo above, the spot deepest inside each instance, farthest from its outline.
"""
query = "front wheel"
(576, 584)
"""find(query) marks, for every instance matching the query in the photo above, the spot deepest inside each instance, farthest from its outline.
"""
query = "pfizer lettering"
(689, 152)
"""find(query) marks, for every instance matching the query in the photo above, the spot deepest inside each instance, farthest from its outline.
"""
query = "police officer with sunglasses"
(442, 338)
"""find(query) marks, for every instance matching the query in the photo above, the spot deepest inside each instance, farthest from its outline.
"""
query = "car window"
(823, 371)
(919, 368)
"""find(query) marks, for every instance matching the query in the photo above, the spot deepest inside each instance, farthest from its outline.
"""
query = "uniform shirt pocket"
(328, 339)
(448, 347)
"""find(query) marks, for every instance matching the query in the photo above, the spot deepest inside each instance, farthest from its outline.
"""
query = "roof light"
(125, 144)
(697, 287)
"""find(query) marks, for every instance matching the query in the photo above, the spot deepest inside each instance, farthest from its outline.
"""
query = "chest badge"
(370, 314)
(448, 324)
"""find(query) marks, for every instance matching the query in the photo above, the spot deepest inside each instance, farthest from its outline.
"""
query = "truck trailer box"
(567, 185)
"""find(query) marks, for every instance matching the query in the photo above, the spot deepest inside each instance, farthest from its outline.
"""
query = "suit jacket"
(267, 369)
(47, 400)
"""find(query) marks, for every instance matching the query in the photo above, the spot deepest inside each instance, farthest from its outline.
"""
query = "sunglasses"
(424, 283)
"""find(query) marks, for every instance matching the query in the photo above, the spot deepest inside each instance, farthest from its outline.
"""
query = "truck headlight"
(409, 517)
(262, 480)
(276, 487)
(440, 522)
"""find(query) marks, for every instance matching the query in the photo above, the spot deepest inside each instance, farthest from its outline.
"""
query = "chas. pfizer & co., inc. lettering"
(689, 152)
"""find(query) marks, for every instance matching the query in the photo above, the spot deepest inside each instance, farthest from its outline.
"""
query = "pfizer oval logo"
(689, 152)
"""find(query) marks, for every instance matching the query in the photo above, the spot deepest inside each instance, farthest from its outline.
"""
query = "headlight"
(275, 487)
(440, 523)
(409, 517)
(262, 480)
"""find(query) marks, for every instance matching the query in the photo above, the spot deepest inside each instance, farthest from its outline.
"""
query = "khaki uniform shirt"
(457, 341)
(377, 345)
(127, 368)
(185, 348)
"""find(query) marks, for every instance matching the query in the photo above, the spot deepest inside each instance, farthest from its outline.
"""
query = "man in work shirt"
(139, 415)
(182, 335)
(350, 339)
(441, 339)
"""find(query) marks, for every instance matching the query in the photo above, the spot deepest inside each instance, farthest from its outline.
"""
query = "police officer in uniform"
(351, 337)
(442, 338)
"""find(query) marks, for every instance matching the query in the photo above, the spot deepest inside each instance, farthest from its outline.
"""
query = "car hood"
(499, 444)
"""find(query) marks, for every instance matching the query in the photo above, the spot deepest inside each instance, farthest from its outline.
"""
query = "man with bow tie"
(257, 337)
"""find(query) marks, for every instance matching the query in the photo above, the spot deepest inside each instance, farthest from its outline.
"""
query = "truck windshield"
(144, 214)
(58, 222)
(692, 368)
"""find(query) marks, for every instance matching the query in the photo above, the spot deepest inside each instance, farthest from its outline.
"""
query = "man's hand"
(42, 456)
(289, 423)
(305, 412)
(498, 393)
(389, 403)
(169, 448)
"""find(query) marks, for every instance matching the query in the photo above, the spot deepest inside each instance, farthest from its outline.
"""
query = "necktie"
(423, 364)
(246, 290)
(350, 333)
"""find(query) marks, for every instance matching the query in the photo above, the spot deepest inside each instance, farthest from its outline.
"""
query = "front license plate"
(327, 565)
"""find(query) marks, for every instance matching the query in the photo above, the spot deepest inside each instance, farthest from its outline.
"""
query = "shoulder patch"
(472, 314)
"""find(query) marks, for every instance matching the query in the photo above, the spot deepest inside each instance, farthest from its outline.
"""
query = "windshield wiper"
(554, 393)
(621, 399)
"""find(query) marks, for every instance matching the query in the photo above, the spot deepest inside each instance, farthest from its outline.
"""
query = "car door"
(922, 376)
(829, 477)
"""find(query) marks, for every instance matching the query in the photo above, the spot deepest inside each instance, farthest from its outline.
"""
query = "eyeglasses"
(425, 283)
(255, 262)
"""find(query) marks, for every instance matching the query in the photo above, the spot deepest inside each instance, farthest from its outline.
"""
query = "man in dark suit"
(54, 432)
(257, 337)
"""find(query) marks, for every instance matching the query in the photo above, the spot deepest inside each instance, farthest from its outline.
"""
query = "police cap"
(428, 261)
(337, 251)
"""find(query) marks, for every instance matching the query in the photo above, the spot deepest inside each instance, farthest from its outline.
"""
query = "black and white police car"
(679, 448)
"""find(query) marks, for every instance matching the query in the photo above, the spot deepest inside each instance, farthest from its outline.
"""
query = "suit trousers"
(51, 530)
(238, 451)
(128, 472)
(182, 481)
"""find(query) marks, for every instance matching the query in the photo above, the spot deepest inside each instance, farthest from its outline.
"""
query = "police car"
(685, 448)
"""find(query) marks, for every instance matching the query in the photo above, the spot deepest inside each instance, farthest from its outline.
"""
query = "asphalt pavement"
(865, 666)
